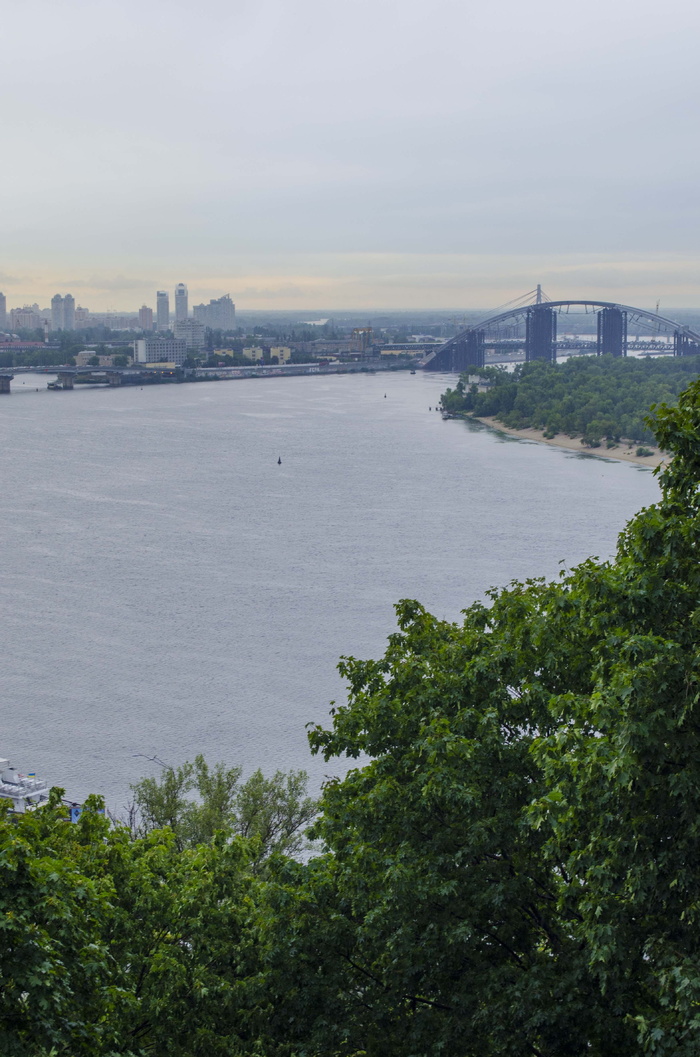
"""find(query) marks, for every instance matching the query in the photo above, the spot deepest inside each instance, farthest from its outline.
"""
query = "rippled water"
(169, 589)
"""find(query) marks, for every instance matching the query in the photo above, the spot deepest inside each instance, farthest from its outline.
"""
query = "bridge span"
(66, 377)
(533, 327)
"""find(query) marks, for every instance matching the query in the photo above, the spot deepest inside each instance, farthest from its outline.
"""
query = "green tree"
(515, 870)
(118, 946)
(196, 801)
(54, 961)
(590, 397)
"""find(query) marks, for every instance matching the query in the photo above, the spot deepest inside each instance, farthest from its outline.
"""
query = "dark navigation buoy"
(385, 396)
(279, 461)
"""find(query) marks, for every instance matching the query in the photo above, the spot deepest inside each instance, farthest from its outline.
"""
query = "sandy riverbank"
(623, 452)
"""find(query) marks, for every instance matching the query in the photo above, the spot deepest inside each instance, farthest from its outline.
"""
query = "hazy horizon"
(449, 156)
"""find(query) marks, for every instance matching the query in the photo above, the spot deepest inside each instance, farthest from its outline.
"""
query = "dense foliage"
(595, 398)
(196, 801)
(511, 869)
(119, 946)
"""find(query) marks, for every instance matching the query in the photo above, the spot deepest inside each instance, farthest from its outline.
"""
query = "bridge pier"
(683, 345)
(613, 320)
(470, 351)
(113, 378)
(541, 334)
(612, 332)
(66, 380)
(5, 380)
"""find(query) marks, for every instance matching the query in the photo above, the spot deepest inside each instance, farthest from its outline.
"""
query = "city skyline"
(371, 156)
(64, 314)
(674, 282)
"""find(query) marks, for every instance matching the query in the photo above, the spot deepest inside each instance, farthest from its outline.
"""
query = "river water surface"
(169, 589)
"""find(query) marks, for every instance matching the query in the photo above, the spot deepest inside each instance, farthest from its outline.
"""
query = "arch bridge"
(533, 327)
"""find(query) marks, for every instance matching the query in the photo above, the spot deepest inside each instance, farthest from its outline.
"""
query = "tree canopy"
(196, 801)
(516, 870)
(592, 397)
(119, 946)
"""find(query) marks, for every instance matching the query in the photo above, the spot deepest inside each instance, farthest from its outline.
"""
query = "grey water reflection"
(169, 589)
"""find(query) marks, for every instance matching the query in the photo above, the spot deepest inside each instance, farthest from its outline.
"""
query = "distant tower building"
(181, 311)
(69, 312)
(3, 312)
(146, 318)
(27, 318)
(162, 310)
(57, 312)
(219, 314)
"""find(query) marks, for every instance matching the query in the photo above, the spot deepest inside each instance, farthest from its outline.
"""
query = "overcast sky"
(350, 154)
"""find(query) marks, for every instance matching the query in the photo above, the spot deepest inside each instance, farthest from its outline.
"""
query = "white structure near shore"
(160, 350)
(26, 791)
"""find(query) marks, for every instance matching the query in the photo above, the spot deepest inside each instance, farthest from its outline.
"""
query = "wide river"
(169, 589)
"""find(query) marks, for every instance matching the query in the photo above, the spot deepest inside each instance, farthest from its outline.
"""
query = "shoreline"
(623, 453)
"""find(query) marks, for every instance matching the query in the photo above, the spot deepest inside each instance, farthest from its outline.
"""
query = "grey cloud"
(504, 131)
(96, 282)
(287, 290)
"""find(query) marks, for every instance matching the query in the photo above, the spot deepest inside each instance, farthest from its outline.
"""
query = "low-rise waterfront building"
(83, 358)
(160, 350)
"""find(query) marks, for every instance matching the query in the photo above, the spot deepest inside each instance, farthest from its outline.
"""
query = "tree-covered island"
(510, 869)
(602, 400)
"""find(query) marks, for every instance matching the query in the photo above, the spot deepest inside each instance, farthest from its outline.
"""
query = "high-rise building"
(219, 314)
(57, 312)
(162, 310)
(3, 312)
(63, 312)
(181, 310)
(27, 318)
(192, 332)
(69, 312)
(146, 317)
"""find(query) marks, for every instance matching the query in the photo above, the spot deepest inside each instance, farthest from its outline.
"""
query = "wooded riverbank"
(624, 451)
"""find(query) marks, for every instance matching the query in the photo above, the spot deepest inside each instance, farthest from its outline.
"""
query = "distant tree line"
(599, 399)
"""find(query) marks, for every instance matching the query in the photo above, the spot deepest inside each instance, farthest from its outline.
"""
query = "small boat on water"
(24, 791)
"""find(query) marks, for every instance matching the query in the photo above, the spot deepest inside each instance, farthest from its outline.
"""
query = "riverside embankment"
(623, 452)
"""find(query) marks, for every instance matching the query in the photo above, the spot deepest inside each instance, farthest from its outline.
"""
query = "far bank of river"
(623, 452)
